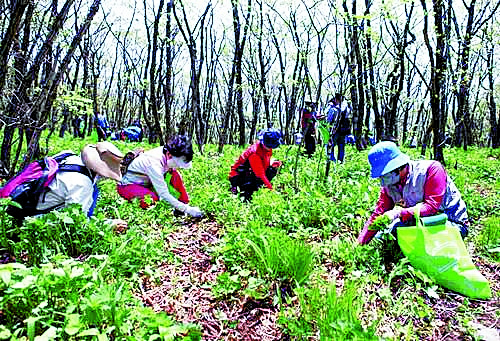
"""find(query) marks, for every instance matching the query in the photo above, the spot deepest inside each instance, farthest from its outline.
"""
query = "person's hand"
(394, 213)
(276, 164)
(193, 211)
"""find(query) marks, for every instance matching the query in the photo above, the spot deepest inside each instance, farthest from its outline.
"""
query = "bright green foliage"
(71, 298)
(336, 316)
(380, 223)
(279, 256)
(226, 285)
(67, 232)
(489, 237)
(301, 233)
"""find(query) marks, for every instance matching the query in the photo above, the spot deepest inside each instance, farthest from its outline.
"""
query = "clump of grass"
(336, 316)
(489, 238)
(281, 257)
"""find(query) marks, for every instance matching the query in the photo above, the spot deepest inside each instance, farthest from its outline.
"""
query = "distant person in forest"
(406, 184)
(137, 123)
(255, 167)
(154, 174)
(132, 133)
(78, 126)
(64, 124)
(340, 127)
(308, 123)
(102, 127)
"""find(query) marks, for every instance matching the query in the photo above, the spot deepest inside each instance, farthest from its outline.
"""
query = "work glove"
(394, 213)
(193, 211)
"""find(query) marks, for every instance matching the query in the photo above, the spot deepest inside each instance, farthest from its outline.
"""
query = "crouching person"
(408, 185)
(63, 179)
(255, 167)
(146, 174)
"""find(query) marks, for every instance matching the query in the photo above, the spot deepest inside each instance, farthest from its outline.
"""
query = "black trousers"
(248, 183)
(310, 142)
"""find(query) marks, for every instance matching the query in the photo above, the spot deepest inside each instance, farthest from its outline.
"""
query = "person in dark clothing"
(77, 123)
(338, 119)
(255, 167)
(308, 121)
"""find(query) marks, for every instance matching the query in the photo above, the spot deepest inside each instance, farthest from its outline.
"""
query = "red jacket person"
(255, 168)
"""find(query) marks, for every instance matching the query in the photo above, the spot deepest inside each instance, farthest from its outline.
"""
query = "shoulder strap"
(76, 168)
(61, 157)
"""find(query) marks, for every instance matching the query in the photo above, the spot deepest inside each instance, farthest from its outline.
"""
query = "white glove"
(394, 213)
(193, 211)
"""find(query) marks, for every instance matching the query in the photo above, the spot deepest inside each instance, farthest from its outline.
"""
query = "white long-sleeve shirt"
(68, 188)
(148, 170)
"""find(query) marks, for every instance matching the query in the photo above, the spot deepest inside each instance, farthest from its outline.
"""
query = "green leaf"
(496, 249)
(31, 323)
(50, 334)
(89, 332)
(73, 325)
(5, 334)
(431, 292)
(68, 220)
(58, 272)
(77, 272)
(5, 275)
(25, 283)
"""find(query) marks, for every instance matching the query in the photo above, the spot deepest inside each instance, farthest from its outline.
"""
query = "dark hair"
(179, 146)
(339, 97)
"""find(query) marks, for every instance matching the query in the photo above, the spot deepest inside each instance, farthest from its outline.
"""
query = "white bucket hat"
(104, 159)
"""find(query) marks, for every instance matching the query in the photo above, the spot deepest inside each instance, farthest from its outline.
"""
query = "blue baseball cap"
(271, 138)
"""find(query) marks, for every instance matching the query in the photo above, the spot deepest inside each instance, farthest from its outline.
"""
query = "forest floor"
(183, 289)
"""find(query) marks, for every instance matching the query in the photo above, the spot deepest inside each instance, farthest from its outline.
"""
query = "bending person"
(145, 176)
(406, 183)
(255, 167)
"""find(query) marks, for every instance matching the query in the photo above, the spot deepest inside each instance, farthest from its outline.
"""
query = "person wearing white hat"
(406, 184)
(102, 159)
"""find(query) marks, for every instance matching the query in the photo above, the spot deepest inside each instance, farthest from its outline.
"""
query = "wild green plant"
(353, 258)
(226, 285)
(7, 226)
(69, 298)
(281, 257)
(66, 231)
(380, 223)
(335, 315)
(488, 239)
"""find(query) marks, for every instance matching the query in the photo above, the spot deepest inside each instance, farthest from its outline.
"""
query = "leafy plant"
(489, 237)
(279, 256)
(380, 223)
(335, 316)
(69, 298)
(67, 232)
(226, 285)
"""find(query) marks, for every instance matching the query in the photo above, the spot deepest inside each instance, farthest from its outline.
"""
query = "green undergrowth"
(294, 248)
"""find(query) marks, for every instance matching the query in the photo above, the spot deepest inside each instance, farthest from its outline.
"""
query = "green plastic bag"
(435, 247)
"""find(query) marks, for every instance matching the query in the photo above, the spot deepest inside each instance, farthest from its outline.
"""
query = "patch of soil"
(183, 290)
